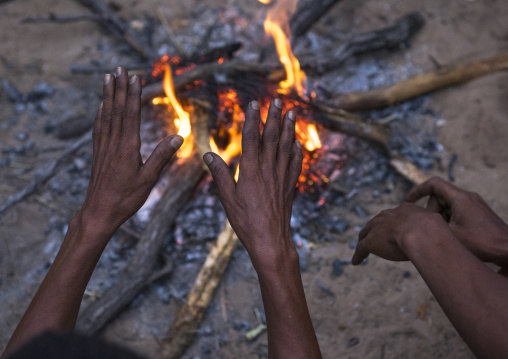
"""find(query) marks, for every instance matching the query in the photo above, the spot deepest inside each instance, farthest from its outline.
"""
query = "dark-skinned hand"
(120, 182)
(385, 234)
(469, 217)
(259, 205)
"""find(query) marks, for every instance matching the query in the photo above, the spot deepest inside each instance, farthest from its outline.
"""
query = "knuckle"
(271, 137)
(251, 136)
(131, 113)
(161, 154)
(219, 171)
(117, 111)
(296, 166)
(285, 148)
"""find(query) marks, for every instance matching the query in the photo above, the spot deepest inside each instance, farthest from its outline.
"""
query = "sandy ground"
(381, 310)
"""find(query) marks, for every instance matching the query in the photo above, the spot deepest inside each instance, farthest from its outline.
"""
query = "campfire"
(226, 139)
(202, 96)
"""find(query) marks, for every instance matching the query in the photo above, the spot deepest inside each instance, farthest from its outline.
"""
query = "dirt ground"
(380, 310)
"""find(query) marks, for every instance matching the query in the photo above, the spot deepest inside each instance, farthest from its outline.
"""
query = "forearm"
(289, 327)
(471, 295)
(56, 304)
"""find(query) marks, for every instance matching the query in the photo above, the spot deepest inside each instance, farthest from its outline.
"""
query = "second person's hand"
(469, 217)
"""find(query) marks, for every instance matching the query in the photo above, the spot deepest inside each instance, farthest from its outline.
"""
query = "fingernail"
(107, 79)
(119, 71)
(208, 158)
(133, 79)
(254, 105)
(298, 144)
(176, 142)
(291, 115)
(100, 106)
(278, 102)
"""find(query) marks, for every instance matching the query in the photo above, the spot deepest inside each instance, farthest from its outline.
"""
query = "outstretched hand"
(469, 217)
(259, 205)
(386, 234)
(120, 182)
(259, 210)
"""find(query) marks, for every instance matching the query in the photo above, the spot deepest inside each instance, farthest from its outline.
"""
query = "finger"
(160, 157)
(361, 252)
(366, 230)
(119, 102)
(250, 139)
(295, 166)
(221, 175)
(433, 205)
(132, 115)
(108, 94)
(286, 144)
(96, 134)
(270, 139)
(96, 138)
(444, 191)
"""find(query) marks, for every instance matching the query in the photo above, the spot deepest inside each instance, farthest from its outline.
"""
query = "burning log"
(421, 84)
(182, 183)
(51, 170)
(190, 315)
(308, 14)
(114, 24)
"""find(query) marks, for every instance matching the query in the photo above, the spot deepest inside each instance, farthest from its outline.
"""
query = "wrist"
(275, 262)
(86, 230)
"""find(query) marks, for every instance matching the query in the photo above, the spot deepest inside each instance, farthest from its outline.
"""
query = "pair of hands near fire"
(258, 206)
(464, 215)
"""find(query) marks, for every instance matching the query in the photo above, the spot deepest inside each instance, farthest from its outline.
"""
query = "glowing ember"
(277, 25)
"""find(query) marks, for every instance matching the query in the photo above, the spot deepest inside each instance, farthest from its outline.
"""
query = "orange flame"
(182, 121)
(277, 25)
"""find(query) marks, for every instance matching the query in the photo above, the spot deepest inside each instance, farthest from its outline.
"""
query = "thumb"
(162, 154)
(221, 174)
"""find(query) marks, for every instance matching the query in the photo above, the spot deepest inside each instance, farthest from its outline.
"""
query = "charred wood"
(385, 39)
(308, 14)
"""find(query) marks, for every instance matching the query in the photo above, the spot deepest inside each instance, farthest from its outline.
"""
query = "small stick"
(421, 84)
(190, 315)
(60, 19)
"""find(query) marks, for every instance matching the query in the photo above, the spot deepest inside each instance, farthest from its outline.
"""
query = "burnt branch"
(385, 39)
(309, 14)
